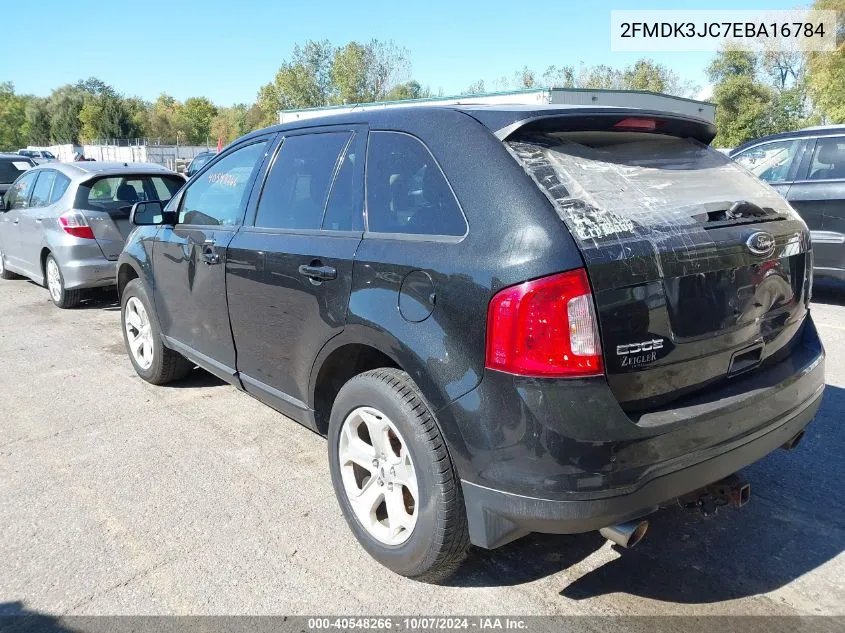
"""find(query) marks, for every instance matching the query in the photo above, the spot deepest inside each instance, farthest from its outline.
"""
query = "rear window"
(115, 192)
(612, 186)
(11, 168)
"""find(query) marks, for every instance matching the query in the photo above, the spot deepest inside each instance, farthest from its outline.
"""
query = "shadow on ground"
(15, 618)
(794, 523)
(829, 291)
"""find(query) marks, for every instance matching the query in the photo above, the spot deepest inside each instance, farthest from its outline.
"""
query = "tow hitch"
(730, 491)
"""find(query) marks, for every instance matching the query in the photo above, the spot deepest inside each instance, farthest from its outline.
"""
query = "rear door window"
(297, 187)
(406, 190)
(42, 189)
(18, 195)
(771, 162)
(828, 159)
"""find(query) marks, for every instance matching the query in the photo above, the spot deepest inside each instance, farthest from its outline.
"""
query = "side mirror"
(150, 213)
(2, 204)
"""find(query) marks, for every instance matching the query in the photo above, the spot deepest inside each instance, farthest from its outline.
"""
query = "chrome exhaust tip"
(626, 534)
(794, 441)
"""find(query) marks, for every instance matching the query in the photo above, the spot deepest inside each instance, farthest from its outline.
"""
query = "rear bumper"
(497, 517)
(562, 457)
(92, 272)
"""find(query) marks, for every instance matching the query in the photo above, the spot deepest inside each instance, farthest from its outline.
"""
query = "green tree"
(166, 123)
(37, 122)
(826, 70)
(646, 74)
(476, 87)
(12, 117)
(408, 90)
(559, 77)
(106, 116)
(198, 113)
(349, 73)
(305, 81)
(64, 105)
(230, 123)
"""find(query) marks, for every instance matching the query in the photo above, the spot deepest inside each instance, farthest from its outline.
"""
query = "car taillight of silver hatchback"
(75, 223)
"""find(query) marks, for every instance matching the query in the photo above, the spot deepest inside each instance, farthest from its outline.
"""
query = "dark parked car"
(505, 319)
(197, 162)
(12, 166)
(807, 167)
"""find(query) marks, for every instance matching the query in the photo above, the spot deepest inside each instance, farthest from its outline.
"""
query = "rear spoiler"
(606, 119)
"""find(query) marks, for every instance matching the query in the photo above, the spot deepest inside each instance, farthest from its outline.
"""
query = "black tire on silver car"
(393, 476)
(153, 362)
(4, 272)
(55, 282)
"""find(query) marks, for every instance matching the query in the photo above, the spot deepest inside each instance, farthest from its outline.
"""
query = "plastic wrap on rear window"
(644, 187)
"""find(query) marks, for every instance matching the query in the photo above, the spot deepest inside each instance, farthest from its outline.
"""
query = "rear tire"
(55, 282)
(152, 361)
(429, 538)
(4, 272)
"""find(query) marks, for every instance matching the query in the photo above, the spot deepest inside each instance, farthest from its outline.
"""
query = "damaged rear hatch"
(106, 202)
(700, 271)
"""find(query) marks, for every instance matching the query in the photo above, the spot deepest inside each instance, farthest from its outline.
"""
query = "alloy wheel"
(378, 476)
(54, 280)
(139, 334)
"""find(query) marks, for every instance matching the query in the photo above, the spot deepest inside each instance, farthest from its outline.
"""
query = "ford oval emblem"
(761, 243)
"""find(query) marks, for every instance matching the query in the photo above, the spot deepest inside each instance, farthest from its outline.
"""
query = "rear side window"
(828, 159)
(406, 190)
(296, 190)
(42, 189)
(116, 192)
(11, 168)
(59, 187)
(18, 195)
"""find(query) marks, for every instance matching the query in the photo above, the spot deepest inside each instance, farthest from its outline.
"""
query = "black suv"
(807, 168)
(504, 319)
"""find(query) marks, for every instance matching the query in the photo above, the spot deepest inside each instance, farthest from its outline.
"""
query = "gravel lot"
(117, 497)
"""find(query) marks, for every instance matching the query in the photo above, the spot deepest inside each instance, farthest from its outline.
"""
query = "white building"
(572, 96)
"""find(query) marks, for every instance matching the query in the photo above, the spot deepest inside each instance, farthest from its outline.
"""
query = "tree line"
(755, 94)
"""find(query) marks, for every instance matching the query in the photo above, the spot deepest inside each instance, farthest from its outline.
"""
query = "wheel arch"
(358, 349)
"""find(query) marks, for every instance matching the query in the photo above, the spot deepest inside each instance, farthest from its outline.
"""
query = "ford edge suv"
(504, 319)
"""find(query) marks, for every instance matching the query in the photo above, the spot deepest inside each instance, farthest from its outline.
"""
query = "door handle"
(209, 253)
(317, 272)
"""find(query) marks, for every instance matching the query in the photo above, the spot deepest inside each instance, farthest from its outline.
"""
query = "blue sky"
(226, 49)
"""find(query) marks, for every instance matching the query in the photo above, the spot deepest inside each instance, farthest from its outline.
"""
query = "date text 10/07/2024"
(417, 623)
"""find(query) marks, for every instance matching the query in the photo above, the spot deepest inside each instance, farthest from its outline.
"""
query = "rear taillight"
(74, 223)
(546, 327)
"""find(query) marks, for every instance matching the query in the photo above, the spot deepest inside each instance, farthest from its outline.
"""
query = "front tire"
(152, 361)
(393, 477)
(55, 281)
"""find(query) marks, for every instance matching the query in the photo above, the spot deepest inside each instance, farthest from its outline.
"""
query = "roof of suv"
(820, 130)
(500, 119)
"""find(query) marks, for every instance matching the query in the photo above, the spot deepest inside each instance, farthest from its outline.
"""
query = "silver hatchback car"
(63, 225)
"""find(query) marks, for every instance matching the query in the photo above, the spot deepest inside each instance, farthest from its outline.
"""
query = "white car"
(38, 155)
